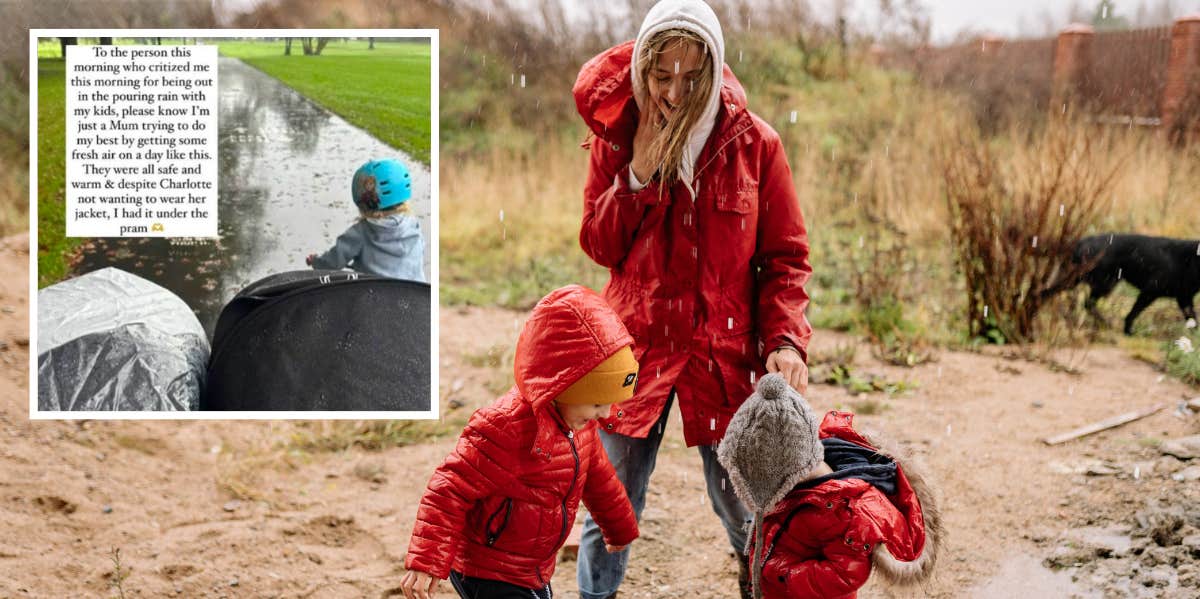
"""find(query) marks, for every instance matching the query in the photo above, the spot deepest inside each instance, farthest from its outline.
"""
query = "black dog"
(1157, 266)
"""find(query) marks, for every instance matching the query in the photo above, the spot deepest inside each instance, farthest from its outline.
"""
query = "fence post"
(1071, 56)
(1183, 74)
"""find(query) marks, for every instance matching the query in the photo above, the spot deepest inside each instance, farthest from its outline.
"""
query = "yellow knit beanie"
(609, 382)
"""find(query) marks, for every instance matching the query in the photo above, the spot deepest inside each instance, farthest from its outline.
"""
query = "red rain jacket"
(706, 288)
(503, 502)
(830, 531)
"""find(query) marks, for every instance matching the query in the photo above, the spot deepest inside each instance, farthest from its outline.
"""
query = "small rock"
(1102, 469)
(454, 404)
(1191, 473)
(22, 341)
(1038, 404)
(231, 505)
(1194, 403)
(1157, 578)
(106, 509)
(1184, 448)
(8, 309)
(233, 582)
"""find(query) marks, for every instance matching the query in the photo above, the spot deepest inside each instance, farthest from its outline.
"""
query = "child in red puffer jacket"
(496, 512)
(828, 505)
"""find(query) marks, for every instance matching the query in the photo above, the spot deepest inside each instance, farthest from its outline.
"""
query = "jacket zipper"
(563, 534)
(493, 536)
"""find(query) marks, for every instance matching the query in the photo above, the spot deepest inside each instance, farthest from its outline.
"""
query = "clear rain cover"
(110, 340)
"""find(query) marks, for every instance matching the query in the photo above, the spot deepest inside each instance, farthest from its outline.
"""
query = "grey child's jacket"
(391, 246)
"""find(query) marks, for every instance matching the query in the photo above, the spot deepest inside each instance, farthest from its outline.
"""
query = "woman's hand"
(418, 585)
(650, 123)
(787, 361)
(614, 548)
(309, 259)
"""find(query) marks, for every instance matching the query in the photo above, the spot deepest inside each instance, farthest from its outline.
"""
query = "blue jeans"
(601, 572)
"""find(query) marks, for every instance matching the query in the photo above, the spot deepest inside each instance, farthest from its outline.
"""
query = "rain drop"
(739, 56)
(658, 372)
(985, 311)
(1035, 240)
(947, 429)
(1119, 270)
(522, 80)
(792, 118)
(1198, 249)
(939, 373)
(695, 253)
(751, 377)
(512, 79)
(743, 224)
(722, 484)
(712, 424)
(676, 67)
(1061, 209)
(731, 323)
(501, 215)
(861, 241)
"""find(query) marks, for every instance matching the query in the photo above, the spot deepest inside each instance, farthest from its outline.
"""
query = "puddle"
(1024, 576)
(284, 192)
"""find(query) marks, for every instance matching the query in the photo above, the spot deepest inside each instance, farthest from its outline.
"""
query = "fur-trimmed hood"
(908, 556)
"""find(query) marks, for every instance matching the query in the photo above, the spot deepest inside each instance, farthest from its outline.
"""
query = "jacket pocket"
(740, 201)
(497, 521)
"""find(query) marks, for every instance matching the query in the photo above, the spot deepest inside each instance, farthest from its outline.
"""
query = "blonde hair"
(670, 143)
(397, 209)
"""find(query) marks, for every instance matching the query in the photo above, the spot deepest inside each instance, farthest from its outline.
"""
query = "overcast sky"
(1012, 17)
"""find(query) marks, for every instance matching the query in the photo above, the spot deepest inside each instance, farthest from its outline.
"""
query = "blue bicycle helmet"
(381, 184)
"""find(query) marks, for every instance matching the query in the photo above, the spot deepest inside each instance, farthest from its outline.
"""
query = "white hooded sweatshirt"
(699, 18)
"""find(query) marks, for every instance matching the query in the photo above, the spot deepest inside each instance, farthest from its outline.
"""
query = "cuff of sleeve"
(634, 184)
(784, 342)
(645, 194)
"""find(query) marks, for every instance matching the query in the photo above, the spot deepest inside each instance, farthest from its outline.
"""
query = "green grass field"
(53, 245)
(385, 91)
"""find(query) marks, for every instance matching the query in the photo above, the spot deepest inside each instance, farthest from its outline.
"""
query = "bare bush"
(1014, 219)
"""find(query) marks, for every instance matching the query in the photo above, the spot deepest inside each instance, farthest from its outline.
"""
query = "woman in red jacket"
(690, 203)
(498, 509)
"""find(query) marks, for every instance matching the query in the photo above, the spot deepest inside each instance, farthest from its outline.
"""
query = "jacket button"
(616, 147)
(849, 541)
(866, 546)
(829, 505)
(620, 413)
(610, 426)
(781, 579)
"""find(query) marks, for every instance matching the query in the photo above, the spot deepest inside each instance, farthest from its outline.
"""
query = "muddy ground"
(219, 509)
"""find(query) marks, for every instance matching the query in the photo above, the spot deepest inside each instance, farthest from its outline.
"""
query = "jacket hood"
(902, 559)
(604, 94)
(387, 231)
(569, 332)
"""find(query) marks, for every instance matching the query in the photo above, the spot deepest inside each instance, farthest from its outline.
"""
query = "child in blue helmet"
(387, 239)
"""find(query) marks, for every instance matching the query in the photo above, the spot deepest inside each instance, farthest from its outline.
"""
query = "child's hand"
(309, 259)
(615, 548)
(418, 585)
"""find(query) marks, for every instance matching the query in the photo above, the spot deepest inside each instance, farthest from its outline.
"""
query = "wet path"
(285, 167)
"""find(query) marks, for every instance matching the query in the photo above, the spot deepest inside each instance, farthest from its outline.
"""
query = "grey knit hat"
(770, 445)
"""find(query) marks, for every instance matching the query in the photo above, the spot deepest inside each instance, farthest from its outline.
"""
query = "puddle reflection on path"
(284, 192)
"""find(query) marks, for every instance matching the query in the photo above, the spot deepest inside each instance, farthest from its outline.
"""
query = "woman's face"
(671, 79)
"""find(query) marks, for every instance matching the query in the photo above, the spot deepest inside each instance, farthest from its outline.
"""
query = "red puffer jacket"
(502, 503)
(707, 288)
(821, 542)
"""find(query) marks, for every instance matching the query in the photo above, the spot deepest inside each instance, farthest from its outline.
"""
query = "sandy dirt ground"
(225, 509)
